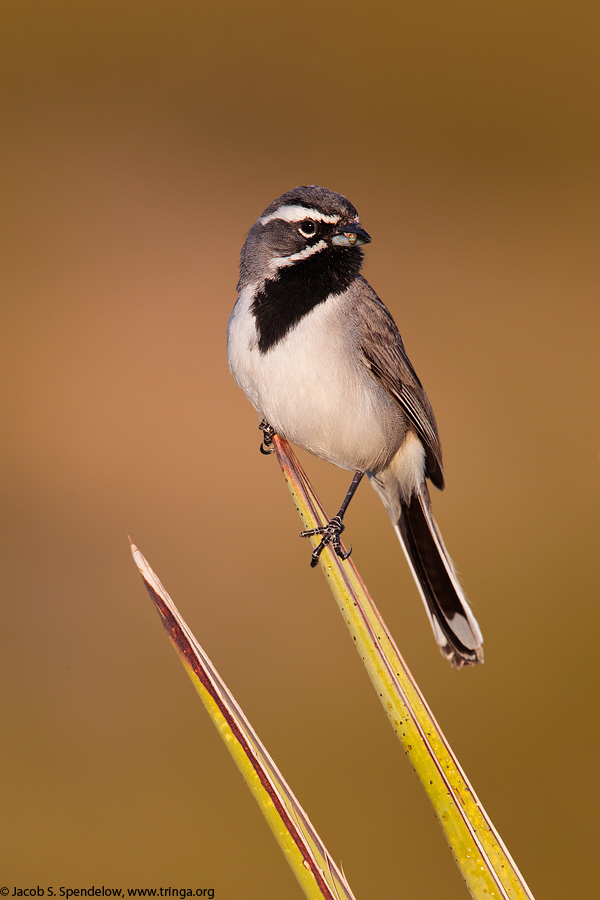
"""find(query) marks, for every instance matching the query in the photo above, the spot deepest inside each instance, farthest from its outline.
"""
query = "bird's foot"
(268, 433)
(331, 535)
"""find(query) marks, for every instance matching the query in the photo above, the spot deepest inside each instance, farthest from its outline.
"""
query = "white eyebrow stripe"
(279, 262)
(297, 213)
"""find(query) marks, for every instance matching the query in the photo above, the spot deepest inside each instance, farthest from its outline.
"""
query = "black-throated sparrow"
(321, 359)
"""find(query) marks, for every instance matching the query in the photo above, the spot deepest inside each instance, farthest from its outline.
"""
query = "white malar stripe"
(279, 262)
(297, 213)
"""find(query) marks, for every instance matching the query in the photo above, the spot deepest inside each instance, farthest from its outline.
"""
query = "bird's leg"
(268, 432)
(332, 531)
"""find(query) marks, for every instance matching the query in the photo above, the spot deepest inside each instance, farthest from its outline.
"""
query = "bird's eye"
(307, 228)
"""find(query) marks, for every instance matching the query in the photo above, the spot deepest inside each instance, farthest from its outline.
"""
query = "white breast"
(313, 388)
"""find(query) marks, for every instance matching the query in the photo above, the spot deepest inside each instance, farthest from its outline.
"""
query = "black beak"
(350, 234)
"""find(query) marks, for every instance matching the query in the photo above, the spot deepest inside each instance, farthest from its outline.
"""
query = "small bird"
(321, 358)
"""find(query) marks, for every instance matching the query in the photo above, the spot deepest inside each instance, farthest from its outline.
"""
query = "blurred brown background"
(140, 141)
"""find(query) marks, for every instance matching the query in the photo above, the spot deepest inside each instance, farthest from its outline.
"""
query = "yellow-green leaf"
(304, 850)
(478, 850)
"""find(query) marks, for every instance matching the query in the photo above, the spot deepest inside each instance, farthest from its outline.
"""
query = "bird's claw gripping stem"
(331, 535)
(268, 433)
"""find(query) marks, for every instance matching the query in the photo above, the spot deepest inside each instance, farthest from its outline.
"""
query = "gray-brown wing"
(385, 357)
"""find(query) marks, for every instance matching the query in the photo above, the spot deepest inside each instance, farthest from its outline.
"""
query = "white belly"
(313, 388)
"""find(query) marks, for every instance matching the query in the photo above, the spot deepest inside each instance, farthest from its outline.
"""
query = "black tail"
(453, 623)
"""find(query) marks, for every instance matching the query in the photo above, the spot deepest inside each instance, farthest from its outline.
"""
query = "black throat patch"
(284, 300)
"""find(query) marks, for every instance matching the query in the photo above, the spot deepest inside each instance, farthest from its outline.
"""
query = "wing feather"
(385, 357)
